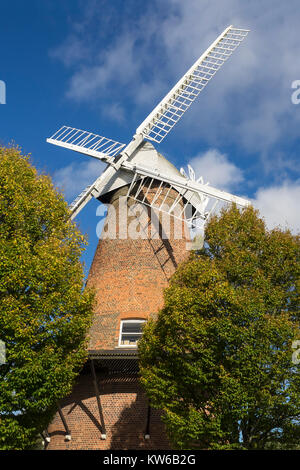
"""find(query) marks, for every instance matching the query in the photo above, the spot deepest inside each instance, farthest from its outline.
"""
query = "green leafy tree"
(218, 360)
(44, 312)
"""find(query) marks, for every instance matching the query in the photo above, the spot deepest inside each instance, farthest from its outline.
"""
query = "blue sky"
(103, 65)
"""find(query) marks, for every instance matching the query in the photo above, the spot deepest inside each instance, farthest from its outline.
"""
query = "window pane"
(130, 339)
(132, 327)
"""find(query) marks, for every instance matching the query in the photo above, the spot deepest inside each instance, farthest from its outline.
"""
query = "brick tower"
(134, 260)
(107, 408)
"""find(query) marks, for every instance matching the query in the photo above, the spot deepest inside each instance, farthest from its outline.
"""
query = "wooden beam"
(68, 432)
(103, 430)
(45, 436)
(147, 432)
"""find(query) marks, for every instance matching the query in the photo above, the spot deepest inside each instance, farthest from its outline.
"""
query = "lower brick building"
(125, 420)
(108, 409)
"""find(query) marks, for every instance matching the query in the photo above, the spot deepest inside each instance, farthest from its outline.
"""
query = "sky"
(103, 65)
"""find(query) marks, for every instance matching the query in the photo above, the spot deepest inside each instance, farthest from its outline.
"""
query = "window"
(130, 332)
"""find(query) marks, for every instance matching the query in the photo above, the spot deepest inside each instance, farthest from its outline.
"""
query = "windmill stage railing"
(181, 209)
(181, 183)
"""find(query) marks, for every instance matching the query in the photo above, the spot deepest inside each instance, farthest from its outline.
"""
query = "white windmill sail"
(168, 112)
(87, 143)
(92, 190)
(131, 163)
(195, 193)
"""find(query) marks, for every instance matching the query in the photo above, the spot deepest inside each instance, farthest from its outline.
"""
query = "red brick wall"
(124, 407)
(129, 277)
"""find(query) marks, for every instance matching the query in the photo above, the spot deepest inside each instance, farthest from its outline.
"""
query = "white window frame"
(129, 320)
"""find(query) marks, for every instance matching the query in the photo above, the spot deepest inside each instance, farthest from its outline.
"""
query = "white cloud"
(113, 67)
(71, 51)
(72, 179)
(248, 102)
(279, 205)
(114, 111)
(217, 170)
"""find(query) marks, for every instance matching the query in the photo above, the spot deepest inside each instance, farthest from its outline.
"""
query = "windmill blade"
(184, 184)
(141, 186)
(98, 187)
(87, 143)
(93, 190)
(84, 197)
(168, 112)
(195, 194)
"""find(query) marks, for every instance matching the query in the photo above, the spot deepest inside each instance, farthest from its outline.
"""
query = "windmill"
(129, 276)
(131, 165)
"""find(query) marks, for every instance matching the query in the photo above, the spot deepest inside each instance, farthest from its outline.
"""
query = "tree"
(44, 312)
(218, 359)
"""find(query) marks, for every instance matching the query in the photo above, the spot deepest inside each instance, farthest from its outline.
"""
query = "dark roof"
(122, 363)
(113, 354)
